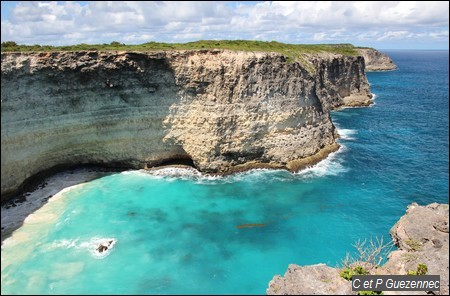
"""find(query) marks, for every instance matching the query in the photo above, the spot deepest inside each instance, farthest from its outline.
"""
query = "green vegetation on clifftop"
(289, 50)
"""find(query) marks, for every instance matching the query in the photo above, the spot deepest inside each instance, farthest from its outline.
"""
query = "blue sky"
(383, 25)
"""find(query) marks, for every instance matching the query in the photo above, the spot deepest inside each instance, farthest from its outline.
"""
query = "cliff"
(421, 236)
(223, 110)
(375, 60)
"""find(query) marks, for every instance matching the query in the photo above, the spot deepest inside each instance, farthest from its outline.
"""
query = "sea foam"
(91, 245)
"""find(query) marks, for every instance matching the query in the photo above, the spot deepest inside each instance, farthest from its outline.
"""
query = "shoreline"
(381, 70)
(15, 211)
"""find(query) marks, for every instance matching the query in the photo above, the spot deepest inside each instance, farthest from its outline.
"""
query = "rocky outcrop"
(223, 110)
(421, 237)
(341, 82)
(375, 60)
(317, 279)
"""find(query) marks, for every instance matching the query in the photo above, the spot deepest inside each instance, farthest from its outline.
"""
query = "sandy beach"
(14, 213)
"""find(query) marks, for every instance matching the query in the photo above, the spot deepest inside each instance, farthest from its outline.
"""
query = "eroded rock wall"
(225, 110)
(342, 82)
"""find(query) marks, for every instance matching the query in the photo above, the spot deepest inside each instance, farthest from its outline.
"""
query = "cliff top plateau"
(375, 59)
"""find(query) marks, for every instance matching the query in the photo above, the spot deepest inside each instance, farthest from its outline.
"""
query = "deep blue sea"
(177, 233)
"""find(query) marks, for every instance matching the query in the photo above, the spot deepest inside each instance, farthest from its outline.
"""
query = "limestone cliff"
(341, 82)
(224, 110)
(375, 60)
(421, 236)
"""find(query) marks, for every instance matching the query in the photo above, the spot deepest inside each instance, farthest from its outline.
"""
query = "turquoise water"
(177, 232)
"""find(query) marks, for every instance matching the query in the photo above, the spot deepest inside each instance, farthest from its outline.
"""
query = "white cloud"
(295, 22)
(395, 35)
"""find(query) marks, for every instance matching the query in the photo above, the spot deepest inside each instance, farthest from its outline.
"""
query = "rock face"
(341, 82)
(376, 61)
(224, 110)
(309, 280)
(421, 237)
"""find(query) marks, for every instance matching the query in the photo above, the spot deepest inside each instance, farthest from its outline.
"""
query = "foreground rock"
(376, 61)
(421, 237)
(224, 111)
(309, 280)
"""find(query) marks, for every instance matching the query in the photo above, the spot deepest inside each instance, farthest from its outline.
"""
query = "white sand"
(13, 217)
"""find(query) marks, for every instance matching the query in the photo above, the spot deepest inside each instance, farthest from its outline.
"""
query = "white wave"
(347, 134)
(264, 175)
(206, 179)
(95, 246)
(330, 166)
(127, 172)
(171, 174)
(65, 243)
(344, 133)
(99, 247)
(175, 172)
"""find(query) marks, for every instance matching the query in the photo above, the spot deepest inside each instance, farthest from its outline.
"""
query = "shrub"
(422, 269)
(347, 273)
(360, 270)
(370, 253)
(9, 44)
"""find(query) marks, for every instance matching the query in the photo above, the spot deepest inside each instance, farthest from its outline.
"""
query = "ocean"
(178, 232)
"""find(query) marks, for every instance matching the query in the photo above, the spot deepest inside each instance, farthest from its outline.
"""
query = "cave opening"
(182, 160)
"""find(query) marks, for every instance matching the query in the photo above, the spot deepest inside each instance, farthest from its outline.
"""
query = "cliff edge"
(222, 110)
(376, 60)
(421, 236)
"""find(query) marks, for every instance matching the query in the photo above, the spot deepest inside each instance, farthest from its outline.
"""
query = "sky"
(383, 25)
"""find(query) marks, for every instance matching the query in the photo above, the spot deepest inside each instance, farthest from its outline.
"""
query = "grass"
(422, 269)
(291, 51)
(408, 257)
(415, 245)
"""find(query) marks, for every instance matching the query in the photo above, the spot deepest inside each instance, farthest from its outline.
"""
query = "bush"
(9, 44)
(370, 253)
(347, 273)
(360, 270)
(422, 269)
